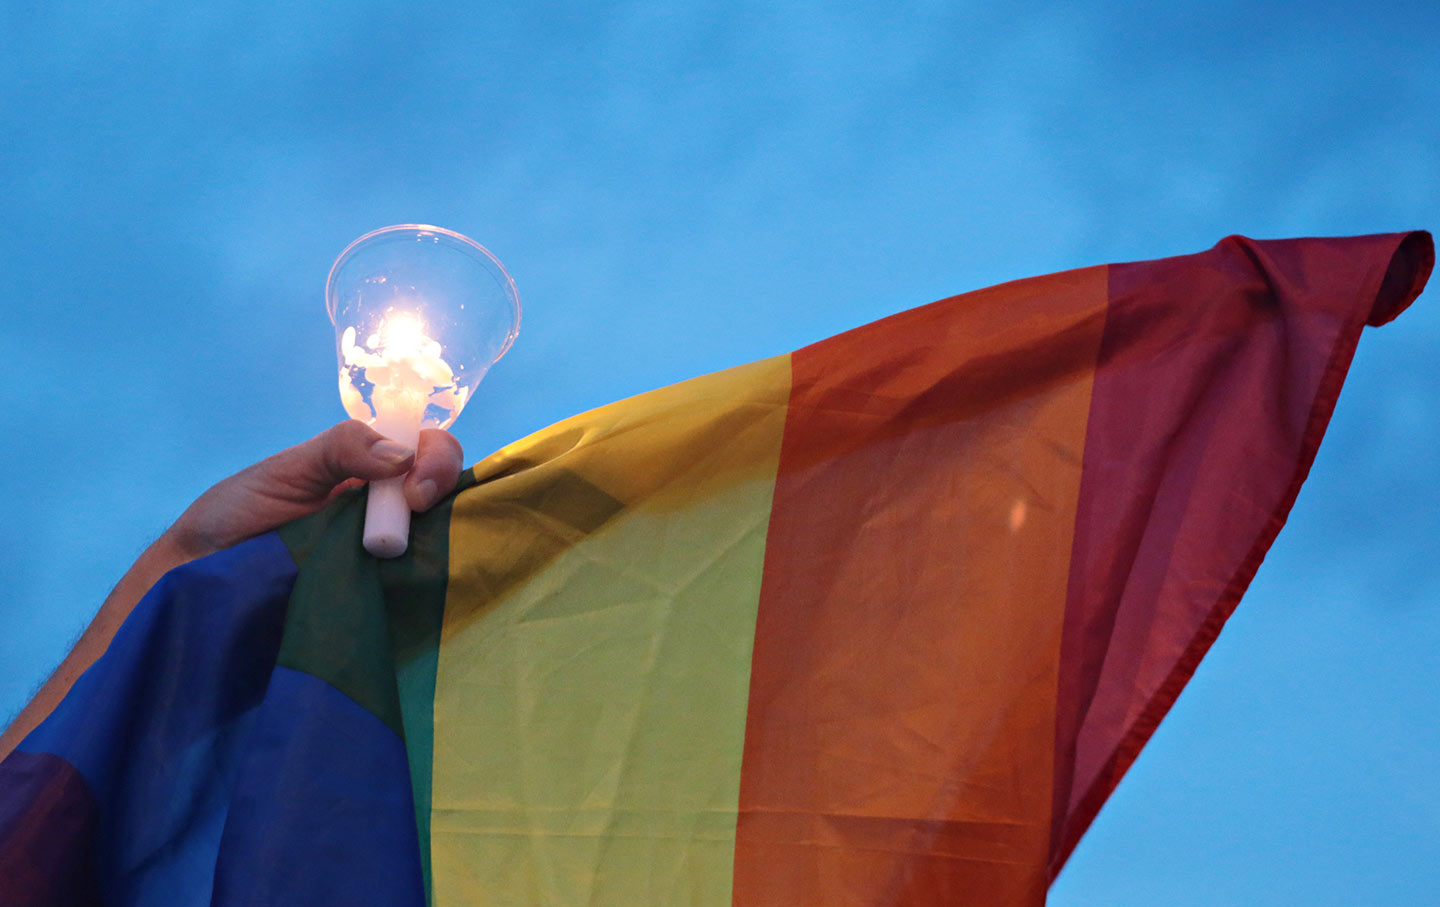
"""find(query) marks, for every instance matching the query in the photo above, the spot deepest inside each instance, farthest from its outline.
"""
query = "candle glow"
(399, 372)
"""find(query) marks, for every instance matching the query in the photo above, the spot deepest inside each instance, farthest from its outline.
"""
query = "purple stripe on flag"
(47, 833)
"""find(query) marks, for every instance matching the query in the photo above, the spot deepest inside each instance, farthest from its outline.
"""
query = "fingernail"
(425, 491)
(394, 451)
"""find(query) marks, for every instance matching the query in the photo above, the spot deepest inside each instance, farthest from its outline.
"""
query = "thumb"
(349, 450)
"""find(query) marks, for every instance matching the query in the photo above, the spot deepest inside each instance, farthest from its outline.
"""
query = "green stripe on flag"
(371, 628)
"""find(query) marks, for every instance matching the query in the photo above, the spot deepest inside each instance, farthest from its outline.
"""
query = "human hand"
(285, 487)
(304, 478)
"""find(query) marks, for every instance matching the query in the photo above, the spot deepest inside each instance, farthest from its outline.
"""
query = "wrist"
(190, 537)
(176, 546)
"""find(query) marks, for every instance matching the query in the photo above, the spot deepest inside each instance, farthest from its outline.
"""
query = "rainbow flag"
(882, 621)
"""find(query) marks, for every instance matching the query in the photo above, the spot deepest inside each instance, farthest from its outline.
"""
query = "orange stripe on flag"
(899, 740)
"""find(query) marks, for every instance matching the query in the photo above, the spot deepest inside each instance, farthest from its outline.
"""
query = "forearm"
(162, 556)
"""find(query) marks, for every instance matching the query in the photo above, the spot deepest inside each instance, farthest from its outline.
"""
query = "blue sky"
(680, 187)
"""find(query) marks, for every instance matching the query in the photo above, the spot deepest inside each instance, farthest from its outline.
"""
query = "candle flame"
(398, 372)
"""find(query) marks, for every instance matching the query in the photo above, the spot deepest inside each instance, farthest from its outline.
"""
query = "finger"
(350, 450)
(437, 468)
(347, 485)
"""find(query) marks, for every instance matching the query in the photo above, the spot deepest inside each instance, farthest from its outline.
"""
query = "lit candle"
(398, 378)
(397, 381)
(420, 315)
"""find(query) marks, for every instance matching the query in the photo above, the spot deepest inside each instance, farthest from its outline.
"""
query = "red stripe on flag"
(1218, 375)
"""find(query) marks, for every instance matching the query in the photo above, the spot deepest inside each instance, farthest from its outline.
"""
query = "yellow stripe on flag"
(594, 669)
